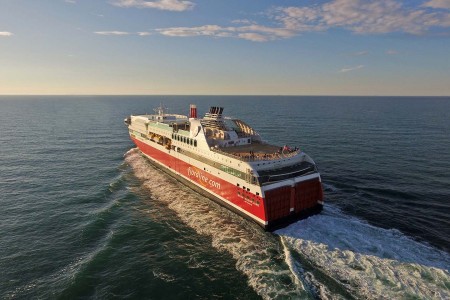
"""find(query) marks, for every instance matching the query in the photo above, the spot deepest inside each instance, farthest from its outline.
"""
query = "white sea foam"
(369, 262)
(258, 254)
(163, 276)
(365, 261)
(329, 187)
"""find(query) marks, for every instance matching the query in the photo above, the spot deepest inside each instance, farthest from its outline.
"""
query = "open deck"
(256, 151)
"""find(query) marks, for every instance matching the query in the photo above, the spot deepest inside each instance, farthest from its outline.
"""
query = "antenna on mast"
(161, 110)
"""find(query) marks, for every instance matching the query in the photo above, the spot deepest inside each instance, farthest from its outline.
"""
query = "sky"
(232, 47)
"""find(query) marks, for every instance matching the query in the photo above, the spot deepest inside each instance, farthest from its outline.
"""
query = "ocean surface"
(84, 215)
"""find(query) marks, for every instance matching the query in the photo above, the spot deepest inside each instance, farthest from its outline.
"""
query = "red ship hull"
(278, 207)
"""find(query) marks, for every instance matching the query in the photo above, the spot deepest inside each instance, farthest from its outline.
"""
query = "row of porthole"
(248, 190)
(184, 139)
(253, 200)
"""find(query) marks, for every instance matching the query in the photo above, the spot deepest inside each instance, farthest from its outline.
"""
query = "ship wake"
(368, 262)
(258, 254)
(328, 256)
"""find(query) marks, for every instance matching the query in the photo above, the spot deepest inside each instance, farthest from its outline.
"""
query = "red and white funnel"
(193, 111)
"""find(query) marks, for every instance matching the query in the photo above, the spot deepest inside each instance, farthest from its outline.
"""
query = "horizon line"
(215, 95)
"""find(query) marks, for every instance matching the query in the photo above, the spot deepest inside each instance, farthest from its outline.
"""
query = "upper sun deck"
(257, 151)
(234, 138)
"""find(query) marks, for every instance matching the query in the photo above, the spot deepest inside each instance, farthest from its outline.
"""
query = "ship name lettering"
(199, 175)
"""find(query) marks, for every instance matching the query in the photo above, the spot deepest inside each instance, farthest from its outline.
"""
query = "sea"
(83, 215)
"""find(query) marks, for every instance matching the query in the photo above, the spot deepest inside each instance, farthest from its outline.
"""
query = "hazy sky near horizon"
(284, 47)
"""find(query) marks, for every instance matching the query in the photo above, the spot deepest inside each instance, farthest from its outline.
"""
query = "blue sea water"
(84, 215)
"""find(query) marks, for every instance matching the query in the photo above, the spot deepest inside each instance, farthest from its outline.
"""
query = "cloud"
(255, 37)
(122, 33)
(345, 70)
(111, 33)
(362, 17)
(5, 33)
(254, 32)
(70, 1)
(243, 21)
(360, 53)
(357, 16)
(438, 4)
(173, 5)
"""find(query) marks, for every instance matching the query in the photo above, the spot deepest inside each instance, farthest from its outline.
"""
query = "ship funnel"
(193, 112)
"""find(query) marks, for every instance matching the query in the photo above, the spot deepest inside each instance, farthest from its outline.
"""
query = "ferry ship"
(226, 160)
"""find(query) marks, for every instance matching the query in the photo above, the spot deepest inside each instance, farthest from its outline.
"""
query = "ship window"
(248, 140)
(237, 184)
(248, 189)
(184, 140)
(190, 142)
(257, 194)
(243, 187)
(195, 143)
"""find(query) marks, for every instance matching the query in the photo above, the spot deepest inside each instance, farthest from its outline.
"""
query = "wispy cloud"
(111, 32)
(360, 53)
(243, 21)
(252, 36)
(438, 4)
(254, 32)
(70, 1)
(362, 16)
(173, 5)
(6, 33)
(349, 69)
(122, 33)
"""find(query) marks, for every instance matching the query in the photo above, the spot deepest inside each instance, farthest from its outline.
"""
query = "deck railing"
(258, 157)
